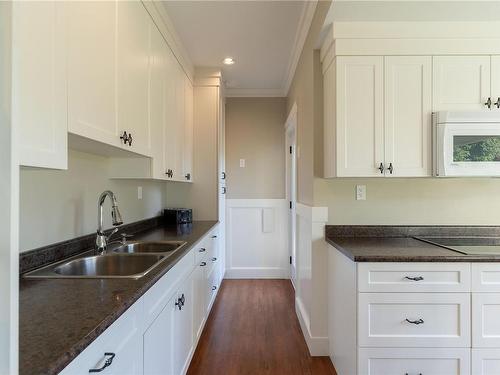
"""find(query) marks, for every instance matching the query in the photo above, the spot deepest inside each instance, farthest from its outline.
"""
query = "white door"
(133, 74)
(291, 189)
(222, 187)
(158, 341)
(495, 82)
(182, 320)
(92, 110)
(39, 85)
(408, 111)
(460, 82)
(360, 117)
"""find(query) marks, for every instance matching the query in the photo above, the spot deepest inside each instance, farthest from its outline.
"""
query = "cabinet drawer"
(123, 339)
(414, 320)
(425, 361)
(158, 295)
(485, 361)
(201, 252)
(486, 277)
(414, 277)
(486, 320)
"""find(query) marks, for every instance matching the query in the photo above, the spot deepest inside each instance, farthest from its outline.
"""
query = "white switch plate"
(360, 192)
(139, 192)
(242, 163)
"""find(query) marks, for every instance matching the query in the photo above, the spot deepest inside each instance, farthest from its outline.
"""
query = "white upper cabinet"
(39, 83)
(461, 82)
(495, 82)
(188, 130)
(408, 113)
(92, 110)
(179, 122)
(360, 118)
(133, 45)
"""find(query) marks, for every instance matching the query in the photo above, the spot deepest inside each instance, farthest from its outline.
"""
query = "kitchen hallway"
(253, 330)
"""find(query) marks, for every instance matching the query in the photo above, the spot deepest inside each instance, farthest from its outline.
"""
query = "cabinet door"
(198, 299)
(408, 111)
(171, 128)
(157, 103)
(158, 343)
(180, 111)
(188, 130)
(183, 327)
(485, 320)
(133, 73)
(92, 70)
(39, 83)
(329, 123)
(360, 118)
(460, 82)
(485, 361)
(495, 81)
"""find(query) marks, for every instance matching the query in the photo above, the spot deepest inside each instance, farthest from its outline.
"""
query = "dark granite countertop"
(396, 243)
(59, 318)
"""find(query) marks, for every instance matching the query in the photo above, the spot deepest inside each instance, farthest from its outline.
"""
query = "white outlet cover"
(139, 192)
(360, 192)
(242, 163)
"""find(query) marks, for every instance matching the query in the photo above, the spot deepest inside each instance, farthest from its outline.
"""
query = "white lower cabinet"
(117, 351)
(414, 361)
(486, 320)
(158, 334)
(485, 361)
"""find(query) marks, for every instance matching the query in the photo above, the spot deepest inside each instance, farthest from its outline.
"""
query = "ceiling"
(261, 36)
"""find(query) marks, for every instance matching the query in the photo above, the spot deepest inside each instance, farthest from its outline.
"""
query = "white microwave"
(466, 144)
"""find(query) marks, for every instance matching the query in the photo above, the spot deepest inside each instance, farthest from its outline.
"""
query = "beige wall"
(59, 205)
(255, 132)
(306, 91)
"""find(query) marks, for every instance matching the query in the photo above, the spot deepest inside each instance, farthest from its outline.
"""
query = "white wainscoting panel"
(312, 277)
(256, 243)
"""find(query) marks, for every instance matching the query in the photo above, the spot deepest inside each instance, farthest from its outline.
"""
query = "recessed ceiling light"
(228, 61)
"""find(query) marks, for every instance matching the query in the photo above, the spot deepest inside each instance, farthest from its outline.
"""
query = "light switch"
(242, 163)
(139, 192)
(360, 192)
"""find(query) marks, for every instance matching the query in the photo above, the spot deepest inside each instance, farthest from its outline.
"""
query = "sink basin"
(102, 266)
(156, 247)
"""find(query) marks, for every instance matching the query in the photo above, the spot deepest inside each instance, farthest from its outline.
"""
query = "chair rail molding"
(312, 277)
(256, 239)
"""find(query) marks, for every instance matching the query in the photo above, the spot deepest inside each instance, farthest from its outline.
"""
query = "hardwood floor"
(253, 330)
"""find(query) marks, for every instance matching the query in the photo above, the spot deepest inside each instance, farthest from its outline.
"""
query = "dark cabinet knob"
(169, 173)
(417, 322)
(202, 250)
(224, 190)
(381, 168)
(124, 137)
(188, 176)
(214, 237)
(214, 259)
(107, 363)
(391, 168)
(214, 287)
(497, 103)
(130, 139)
(203, 264)
(488, 103)
(224, 173)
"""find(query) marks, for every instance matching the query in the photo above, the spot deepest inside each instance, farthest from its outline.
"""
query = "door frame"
(291, 188)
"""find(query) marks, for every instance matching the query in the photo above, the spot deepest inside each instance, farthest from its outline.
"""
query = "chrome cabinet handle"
(416, 278)
(224, 173)
(381, 168)
(224, 190)
(391, 168)
(488, 103)
(417, 322)
(107, 362)
(418, 373)
(497, 103)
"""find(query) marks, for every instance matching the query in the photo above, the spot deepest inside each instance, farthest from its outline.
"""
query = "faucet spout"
(101, 239)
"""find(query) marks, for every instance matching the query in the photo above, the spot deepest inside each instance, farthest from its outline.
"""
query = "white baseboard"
(318, 346)
(257, 273)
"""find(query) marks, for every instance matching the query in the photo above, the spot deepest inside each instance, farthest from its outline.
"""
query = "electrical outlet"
(242, 163)
(139, 192)
(360, 192)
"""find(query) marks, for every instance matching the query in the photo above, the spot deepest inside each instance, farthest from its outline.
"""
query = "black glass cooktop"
(467, 245)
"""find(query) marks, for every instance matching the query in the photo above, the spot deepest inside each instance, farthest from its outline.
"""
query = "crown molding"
(300, 39)
(251, 93)
(163, 22)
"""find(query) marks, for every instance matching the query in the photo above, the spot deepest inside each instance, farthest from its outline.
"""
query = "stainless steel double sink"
(130, 260)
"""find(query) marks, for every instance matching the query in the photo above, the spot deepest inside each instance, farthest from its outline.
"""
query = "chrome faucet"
(101, 240)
